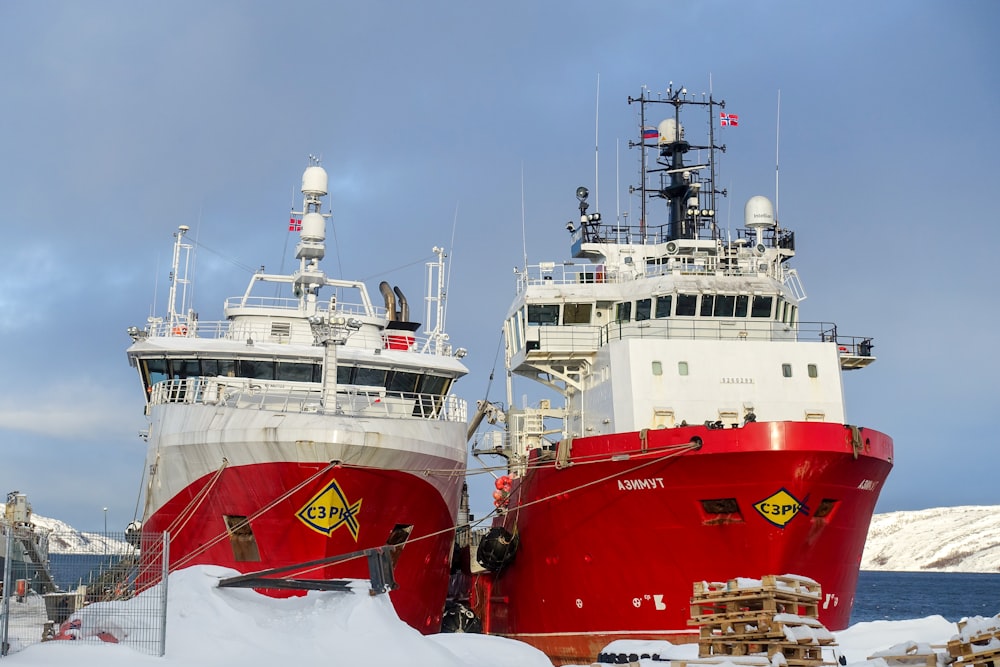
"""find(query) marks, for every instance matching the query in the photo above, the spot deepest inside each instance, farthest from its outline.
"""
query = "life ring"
(180, 331)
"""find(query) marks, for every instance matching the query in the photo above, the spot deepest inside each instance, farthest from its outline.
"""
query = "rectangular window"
(781, 315)
(682, 368)
(761, 306)
(434, 384)
(657, 368)
(663, 304)
(295, 372)
(623, 312)
(707, 302)
(258, 369)
(404, 382)
(184, 368)
(813, 371)
(642, 309)
(742, 304)
(725, 304)
(156, 371)
(543, 314)
(686, 305)
(786, 370)
(345, 374)
(577, 313)
(370, 377)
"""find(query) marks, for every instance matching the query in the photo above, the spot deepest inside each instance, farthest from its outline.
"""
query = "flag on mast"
(728, 119)
(294, 225)
(650, 133)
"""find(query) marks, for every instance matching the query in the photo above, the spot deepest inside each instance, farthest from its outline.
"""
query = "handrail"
(352, 401)
(555, 338)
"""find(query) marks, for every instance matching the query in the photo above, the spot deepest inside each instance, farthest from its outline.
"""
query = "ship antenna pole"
(597, 117)
(777, 136)
(642, 164)
(524, 241)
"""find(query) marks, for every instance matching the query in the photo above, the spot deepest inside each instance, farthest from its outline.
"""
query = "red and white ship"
(702, 433)
(309, 423)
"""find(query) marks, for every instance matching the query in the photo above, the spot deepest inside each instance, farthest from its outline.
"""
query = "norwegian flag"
(294, 225)
(728, 119)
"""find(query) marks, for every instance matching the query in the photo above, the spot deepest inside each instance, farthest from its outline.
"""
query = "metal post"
(164, 574)
(7, 574)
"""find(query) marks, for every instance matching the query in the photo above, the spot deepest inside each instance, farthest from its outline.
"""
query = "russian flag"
(650, 133)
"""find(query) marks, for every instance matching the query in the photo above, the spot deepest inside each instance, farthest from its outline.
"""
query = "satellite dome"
(758, 213)
(670, 131)
(314, 181)
(314, 226)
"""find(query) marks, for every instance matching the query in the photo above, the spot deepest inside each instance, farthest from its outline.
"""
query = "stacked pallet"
(760, 619)
(977, 643)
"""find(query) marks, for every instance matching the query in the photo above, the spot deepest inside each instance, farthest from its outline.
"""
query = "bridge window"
(434, 384)
(813, 371)
(184, 368)
(687, 305)
(403, 381)
(370, 377)
(725, 304)
(543, 314)
(663, 305)
(297, 372)
(761, 306)
(258, 369)
(642, 309)
(577, 313)
(623, 311)
(707, 301)
(742, 303)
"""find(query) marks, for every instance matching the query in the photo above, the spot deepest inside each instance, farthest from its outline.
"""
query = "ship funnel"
(758, 214)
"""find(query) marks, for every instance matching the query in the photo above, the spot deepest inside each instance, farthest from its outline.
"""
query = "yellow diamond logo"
(781, 507)
(329, 509)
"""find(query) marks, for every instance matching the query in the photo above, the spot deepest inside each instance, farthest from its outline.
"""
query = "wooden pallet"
(767, 627)
(735, 606)
(796, 655)
(974, 645)
(784, 584)
(986, 658)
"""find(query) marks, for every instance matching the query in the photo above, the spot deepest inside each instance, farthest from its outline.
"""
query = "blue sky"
(123, 120)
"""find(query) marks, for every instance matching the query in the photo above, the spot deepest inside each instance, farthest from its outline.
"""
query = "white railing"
(244, 393)
(572, 273)
(579, 338)
(261, 331)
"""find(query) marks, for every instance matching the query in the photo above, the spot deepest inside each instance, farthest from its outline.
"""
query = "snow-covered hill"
(943, 539)
(64, 539)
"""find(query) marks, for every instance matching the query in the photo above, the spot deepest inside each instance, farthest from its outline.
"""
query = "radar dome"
(313, 226)
(670, 131)
(758, 212)
(314, 181)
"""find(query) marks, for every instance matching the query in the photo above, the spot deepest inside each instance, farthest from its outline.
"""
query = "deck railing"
(245, 393)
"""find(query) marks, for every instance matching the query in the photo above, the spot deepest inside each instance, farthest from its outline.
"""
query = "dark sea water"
(895, 596)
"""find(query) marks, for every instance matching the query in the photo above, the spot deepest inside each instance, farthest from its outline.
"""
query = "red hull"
(292, 532)
(609, 549)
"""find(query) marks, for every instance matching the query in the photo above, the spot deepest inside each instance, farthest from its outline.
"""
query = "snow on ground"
(210, 626)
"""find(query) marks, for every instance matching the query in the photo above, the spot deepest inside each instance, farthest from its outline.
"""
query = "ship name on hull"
(643, 484)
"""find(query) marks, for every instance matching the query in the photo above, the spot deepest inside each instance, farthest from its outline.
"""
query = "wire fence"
(83, 587)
